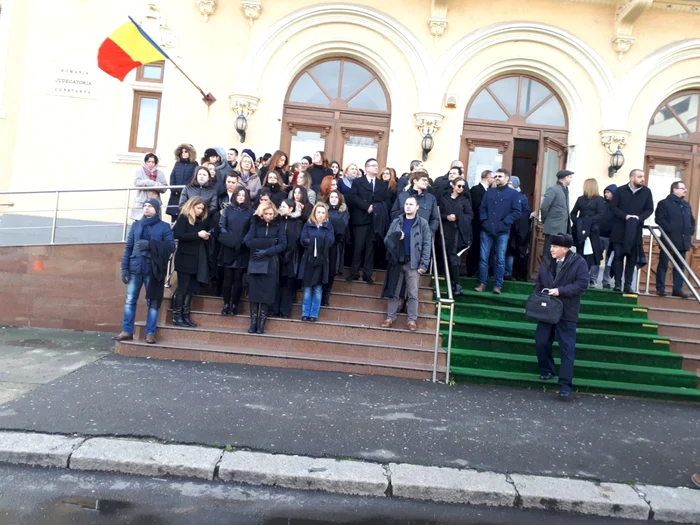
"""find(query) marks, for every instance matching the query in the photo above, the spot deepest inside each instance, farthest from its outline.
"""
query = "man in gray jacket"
(411, 236)
(554, 210)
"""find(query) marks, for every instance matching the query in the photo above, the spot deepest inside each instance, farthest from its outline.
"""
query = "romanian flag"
(127, 48)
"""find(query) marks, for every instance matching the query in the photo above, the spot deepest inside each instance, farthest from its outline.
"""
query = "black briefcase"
(544, 308)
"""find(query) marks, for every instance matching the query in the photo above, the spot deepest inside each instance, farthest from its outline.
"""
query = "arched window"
(518, 100)
(673, 148)
(339, 106)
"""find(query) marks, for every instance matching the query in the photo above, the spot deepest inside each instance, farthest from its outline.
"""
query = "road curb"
(440, 484)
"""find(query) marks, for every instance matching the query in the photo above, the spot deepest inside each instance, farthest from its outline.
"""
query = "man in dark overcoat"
(675, 217)
(631, 205)
(564, 275)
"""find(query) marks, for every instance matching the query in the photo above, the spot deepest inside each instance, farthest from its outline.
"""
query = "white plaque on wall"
(69, 81)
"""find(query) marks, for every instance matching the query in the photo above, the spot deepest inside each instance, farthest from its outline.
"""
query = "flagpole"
(208, 98)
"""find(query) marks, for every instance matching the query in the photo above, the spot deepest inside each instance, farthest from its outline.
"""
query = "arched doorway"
(519, 123)
(340, 106)
(673, 152)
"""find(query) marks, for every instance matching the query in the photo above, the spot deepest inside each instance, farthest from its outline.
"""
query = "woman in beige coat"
(149, 177)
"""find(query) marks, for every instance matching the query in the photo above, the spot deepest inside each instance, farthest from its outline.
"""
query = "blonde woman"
(339, 218)
(585, 217)
(248, 175)
(266, 239)
(317, 237)
(347, 177)
(192, 231)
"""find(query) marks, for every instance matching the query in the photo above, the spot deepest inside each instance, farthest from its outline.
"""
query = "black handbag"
(544, 308)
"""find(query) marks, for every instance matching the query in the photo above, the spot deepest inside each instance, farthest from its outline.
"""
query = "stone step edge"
(422, 316)
(378, 344)
(352, 477)
(334, 294)
(301, 356)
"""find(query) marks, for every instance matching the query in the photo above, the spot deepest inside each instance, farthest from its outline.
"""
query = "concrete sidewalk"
(380, 419)
(464, 486)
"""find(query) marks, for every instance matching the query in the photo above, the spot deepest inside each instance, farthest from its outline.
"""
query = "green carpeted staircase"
(618, 349)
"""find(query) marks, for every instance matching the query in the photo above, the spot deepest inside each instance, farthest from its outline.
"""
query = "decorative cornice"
(244, 105)
(438, 18)
(611, 139)
(206, 8)
(626, 14)
(252, 9)
(428, 123)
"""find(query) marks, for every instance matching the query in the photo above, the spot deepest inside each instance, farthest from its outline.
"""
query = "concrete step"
(663, 316)
(685, 346)
(326, 314)
(326, 330)
(340, 301)
(672, 303)
(278, 358)
(425, 293)
(686, 331)
(379, 276)
(691, 363)
(302, 342)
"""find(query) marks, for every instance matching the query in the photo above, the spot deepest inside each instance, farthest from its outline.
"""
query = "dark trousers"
(546, 253)
(619, 261)
(566, 336)
(474, 253)
(662, 268)
(285, 296)
(186, 283)
(363, 250)
(232, 287)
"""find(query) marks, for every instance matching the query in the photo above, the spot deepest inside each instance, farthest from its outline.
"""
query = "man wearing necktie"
(565, 276)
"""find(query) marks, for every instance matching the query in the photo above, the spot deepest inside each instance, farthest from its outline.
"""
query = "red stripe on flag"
(114, 61)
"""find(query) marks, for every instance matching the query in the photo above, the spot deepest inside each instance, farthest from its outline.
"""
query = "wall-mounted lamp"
(617, 160)
(428, 124)
(241, 126)
(427, 145)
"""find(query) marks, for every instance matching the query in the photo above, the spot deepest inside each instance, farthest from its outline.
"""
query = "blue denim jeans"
(509, 265)
(500, 243)
(132, 296)
(311, 302)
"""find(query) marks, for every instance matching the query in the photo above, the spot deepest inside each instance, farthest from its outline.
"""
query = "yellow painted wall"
(79, 139)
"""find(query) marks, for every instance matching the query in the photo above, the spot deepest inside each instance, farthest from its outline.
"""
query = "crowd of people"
(282, 228)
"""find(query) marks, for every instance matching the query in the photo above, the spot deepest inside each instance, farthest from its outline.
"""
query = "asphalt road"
(376, 418)
(56, 497)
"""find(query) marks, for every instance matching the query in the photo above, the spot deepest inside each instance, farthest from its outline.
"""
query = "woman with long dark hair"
(279, 163)
(316, 238)
(339, 218)
(191, 230)
(292, 222)
(201, 185)
(273, 184)
(301, 201)
(303, 181)
(319, 168)
(233, 254)
(456, 213)
(267, 240)
(182, 175)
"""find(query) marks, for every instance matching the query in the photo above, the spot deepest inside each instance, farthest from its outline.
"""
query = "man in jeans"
(498, 211)
(408, 241)
(149, 239)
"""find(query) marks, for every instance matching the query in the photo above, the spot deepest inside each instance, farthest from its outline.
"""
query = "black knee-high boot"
(186, 312)
(253, 318)
(178, 300)
(264, 309)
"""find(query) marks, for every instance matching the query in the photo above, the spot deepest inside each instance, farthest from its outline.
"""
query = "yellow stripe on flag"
(135, 45)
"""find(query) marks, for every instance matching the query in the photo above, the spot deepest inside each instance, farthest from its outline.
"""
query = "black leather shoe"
(546, 377)
(661, 293)
(368, 280)
(682, 295)
(352, 278)
(617, 289)
(305, 318)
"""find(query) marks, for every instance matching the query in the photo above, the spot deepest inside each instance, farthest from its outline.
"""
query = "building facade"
(532, 86)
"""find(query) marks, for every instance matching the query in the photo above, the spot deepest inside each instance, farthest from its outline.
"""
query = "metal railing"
(442, 302)
(674, 256)
(55, 208)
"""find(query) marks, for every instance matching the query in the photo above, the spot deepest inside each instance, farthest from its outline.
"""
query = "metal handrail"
(672, 258)
(58, 193)
(441, 301)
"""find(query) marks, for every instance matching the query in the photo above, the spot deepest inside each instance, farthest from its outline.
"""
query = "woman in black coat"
(272, 183)
(292, 223)
(339, 218)
(317, 237)
(279, 163)
(586, 217)
(318, 170)
(233, 254)
(266, 239)
(191, 260)
(456, 213)
(183, 171)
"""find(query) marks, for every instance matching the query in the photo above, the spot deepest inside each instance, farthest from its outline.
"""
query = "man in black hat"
(563, 275)
(554, 209)
(631, 205)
